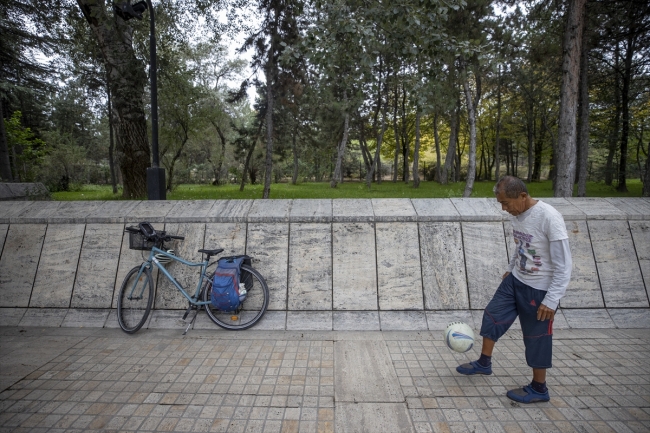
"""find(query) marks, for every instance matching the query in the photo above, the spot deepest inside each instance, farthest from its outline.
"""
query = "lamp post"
(155, 174)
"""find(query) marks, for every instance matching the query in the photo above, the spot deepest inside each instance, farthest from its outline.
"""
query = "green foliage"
(322, 190)
(29, 149)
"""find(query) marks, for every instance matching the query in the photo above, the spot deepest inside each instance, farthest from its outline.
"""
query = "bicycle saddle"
(211, 252)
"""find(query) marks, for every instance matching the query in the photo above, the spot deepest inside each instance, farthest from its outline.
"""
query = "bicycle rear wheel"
(135, 300)
(250, 311)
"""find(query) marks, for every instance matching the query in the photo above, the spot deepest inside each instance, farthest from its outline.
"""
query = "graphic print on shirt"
(527, 260)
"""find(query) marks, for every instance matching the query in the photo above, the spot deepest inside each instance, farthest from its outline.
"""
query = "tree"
(565, 152)
(127, 80)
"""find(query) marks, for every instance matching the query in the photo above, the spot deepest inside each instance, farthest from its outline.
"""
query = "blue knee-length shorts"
(514, 298)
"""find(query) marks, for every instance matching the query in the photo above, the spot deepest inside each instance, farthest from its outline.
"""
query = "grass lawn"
(344, 190)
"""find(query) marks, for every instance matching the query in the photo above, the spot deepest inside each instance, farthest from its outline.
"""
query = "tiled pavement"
(71, 379)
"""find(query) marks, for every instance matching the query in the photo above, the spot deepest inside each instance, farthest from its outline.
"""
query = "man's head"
(512, 193)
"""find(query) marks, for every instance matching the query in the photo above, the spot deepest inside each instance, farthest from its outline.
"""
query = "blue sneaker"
(527, 395)
(474, 368)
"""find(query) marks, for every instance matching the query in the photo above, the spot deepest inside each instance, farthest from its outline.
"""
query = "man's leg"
(538, 340)
(488, 346)
(500, 313)
(539, 375)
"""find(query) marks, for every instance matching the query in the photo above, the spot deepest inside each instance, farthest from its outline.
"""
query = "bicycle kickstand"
(187, 312)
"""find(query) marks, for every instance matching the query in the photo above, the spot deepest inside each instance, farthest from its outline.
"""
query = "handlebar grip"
(177, 237)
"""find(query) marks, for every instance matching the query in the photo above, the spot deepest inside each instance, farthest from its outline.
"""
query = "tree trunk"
(247, 164)
(451, 148)
(5, 165)
(376, 167)
(613, 136)
(416, 150)
(471, 117)
(497, 159)
(459, 152)
(405, 141)
(566, 146)
(222, 155)
(583, 132)
(376, 163)
(127, 81)
(172, 164)
(625, 102)
(436, 139)
(342, 145)
(268, 163)
(294, 151)
(396, 132)
(646, 177)
(111, 142)
(530, 133)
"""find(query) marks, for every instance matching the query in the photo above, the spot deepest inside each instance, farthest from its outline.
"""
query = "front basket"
(138, 242)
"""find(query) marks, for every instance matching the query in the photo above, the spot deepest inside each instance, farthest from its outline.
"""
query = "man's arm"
(562, 264)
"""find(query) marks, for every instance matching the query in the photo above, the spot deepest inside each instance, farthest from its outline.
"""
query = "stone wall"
(364, 264)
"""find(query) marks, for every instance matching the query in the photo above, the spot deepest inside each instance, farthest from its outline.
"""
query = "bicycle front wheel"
(135, 300)
(250, 311)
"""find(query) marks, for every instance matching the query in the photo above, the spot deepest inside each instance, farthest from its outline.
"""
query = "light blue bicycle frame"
(153, 260)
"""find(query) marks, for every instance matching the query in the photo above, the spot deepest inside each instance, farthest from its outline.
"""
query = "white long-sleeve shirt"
(542, 256)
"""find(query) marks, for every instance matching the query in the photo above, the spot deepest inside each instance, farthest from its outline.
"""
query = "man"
(537, 277)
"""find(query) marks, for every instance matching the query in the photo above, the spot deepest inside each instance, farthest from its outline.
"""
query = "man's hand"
(545, 313)
(505, 275)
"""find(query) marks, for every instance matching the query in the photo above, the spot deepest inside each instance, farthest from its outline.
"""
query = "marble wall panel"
(314, 211)
(229, 236)
(584, 288)
(310, 267)
(268, 244)
(74, 212)
(18, 263)
(641, 236)
(352, 210)
(3, 235)
(477, 209)
(354, 266)
(597, 208)
(167, 295)
(510, 240)
(635, 208)
(58, 266)
(37, 212)
(443, 266)
(617, 264)
(112, 211)
(435, 209)
(568, 210)
(10, 208)
(399, 275)
(393, 209)
(270, 211)
(230, 211)
(189, 211)
(100, 254)
(153, 211)
(485, 260)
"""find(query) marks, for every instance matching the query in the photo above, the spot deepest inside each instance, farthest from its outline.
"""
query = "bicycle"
(137, 291)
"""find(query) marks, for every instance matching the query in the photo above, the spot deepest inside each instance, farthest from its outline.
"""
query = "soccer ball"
(459, 337)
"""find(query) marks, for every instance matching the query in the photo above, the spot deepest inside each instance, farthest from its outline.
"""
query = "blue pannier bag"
(226, 294)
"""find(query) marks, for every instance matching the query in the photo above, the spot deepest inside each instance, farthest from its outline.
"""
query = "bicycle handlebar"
(147, 230)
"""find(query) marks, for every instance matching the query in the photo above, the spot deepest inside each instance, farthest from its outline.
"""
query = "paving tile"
(355, 320)
(309, 320)
(590, 318)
